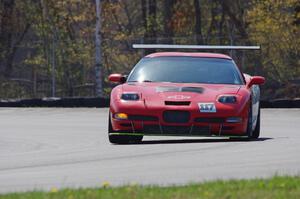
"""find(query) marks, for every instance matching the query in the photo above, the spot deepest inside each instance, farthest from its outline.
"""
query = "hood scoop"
(179, 89)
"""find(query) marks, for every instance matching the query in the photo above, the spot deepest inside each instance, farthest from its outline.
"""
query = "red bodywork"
(153, 103)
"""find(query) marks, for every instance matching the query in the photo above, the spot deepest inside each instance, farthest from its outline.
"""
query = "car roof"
(189, 54)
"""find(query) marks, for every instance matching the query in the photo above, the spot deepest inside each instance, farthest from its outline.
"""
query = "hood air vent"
(179, 89)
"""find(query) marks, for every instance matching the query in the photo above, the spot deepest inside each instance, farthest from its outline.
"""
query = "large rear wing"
(195, 47)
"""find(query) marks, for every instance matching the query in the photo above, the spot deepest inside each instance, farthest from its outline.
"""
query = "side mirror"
(256, 80)
(117, 78)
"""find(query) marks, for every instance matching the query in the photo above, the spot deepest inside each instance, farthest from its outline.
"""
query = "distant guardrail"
(57, 102)
(99, 102)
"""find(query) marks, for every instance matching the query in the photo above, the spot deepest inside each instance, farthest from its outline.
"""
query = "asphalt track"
(45, 148)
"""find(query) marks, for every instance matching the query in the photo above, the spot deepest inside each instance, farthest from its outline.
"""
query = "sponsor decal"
(208, 107)
(179, 97)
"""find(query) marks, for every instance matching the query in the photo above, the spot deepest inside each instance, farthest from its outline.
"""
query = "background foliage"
(37, 34)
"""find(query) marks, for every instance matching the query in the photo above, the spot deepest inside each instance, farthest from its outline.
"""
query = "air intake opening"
(173, 116)
(177, 103)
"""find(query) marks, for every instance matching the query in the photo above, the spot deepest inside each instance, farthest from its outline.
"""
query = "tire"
(121, 139)
(256, 132)
(249, 123)
(253, 134)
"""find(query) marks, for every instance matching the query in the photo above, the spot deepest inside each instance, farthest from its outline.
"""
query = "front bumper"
(196, 124)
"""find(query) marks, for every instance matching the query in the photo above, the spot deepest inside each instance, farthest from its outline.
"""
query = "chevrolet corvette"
(184, 94)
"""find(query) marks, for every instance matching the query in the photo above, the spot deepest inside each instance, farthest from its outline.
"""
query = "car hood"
(154, 92)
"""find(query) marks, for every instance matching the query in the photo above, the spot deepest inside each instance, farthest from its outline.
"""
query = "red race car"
(184, 94)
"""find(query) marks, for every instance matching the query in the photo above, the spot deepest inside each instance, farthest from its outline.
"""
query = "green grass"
(276, 187)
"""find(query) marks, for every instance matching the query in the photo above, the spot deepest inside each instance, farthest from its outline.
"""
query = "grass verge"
(276, 187)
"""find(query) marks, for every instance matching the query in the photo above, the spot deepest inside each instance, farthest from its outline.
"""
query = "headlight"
(130, 96)
(227, 99)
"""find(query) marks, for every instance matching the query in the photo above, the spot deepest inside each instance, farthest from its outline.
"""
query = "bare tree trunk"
(53, 65)
(129, 26)
(144, 13)
(221, 26)
(144, 21)
(212, 23)
(297, 13)
(34, 81)
(198, 28)
(98, 64)
(12, 52)
(239, 25)
(151, 24)
(8, 41)
(6, 36)
(168, 13)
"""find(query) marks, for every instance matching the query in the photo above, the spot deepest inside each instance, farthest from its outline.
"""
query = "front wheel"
(256, 132)
(253, 134)
(121, 139)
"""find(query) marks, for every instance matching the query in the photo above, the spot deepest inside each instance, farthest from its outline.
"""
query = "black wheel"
(256, 132)
(121, 139)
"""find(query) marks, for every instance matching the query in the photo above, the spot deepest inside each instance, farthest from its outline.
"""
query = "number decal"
(207, 107)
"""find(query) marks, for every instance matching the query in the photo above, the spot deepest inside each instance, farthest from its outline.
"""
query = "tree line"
(53, 41)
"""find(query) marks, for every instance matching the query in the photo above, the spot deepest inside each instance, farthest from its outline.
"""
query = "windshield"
(186, 70)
